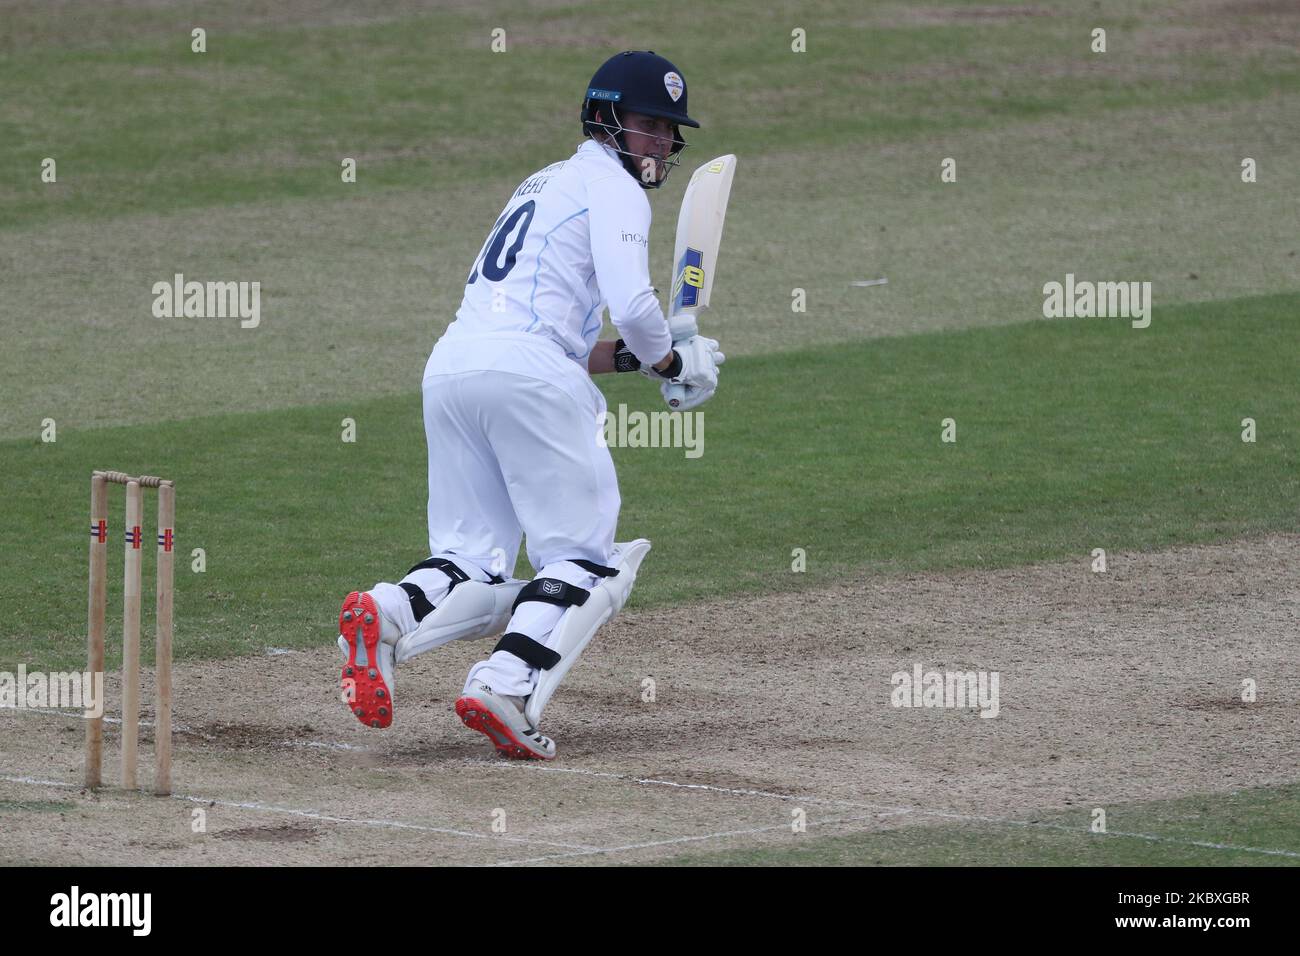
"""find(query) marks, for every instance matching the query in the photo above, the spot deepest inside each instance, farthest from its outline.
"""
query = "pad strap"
(444, 565)
(531, 652)
(421, 607)
(453, 571)
(591, 567)
(551, 591)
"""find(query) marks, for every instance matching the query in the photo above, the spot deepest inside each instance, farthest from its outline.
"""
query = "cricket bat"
(695, 252)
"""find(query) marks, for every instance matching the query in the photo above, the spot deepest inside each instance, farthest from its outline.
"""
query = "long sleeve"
(619, 214)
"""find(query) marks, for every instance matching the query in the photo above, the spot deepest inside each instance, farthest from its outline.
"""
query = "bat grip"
(682, 327)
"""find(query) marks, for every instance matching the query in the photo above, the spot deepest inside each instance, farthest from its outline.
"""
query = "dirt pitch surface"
(1114, 687)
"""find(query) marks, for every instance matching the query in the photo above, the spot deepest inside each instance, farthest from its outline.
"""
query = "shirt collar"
(597, 149)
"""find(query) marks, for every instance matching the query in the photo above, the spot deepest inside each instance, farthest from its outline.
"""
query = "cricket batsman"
(513, 423)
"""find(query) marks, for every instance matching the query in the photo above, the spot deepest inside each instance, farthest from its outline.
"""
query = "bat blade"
(695, 251)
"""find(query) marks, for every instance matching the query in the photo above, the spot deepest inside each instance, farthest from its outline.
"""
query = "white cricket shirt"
(572, 241)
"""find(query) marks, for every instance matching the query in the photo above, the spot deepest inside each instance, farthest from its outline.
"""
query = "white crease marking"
(324, 817)
(879, 809)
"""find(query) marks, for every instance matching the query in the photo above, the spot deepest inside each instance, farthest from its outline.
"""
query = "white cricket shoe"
(501, 719)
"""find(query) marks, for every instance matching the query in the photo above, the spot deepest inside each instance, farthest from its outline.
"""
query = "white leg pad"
(579, 624)
(472, 610)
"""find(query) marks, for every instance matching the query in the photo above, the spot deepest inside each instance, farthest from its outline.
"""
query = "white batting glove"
(698, 377)
(700, 359)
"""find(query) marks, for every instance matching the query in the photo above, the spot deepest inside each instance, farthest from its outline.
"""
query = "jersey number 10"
(495, 245)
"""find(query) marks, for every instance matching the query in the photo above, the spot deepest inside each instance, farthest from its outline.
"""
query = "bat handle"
(682, 327)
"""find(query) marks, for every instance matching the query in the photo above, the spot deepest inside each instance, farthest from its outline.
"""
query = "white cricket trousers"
(514, 454)
(510, 456)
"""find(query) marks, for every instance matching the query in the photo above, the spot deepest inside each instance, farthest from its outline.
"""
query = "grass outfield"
(1246, 828)
(1071, 435)
(421, 100)
(225, 166)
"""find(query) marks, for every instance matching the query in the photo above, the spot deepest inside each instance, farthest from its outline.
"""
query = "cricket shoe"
(501, 720)
(366, 638)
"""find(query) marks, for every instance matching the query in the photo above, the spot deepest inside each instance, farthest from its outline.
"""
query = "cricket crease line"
(917, 811)
(676, 840)
(380, 823)
(732, 791)
(829, 801)
(323, 817)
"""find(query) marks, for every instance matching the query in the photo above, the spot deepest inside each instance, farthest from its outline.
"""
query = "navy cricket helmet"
(637, 81)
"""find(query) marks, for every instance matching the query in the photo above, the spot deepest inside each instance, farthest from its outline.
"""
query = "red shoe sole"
(475, 716)
(364, 690)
